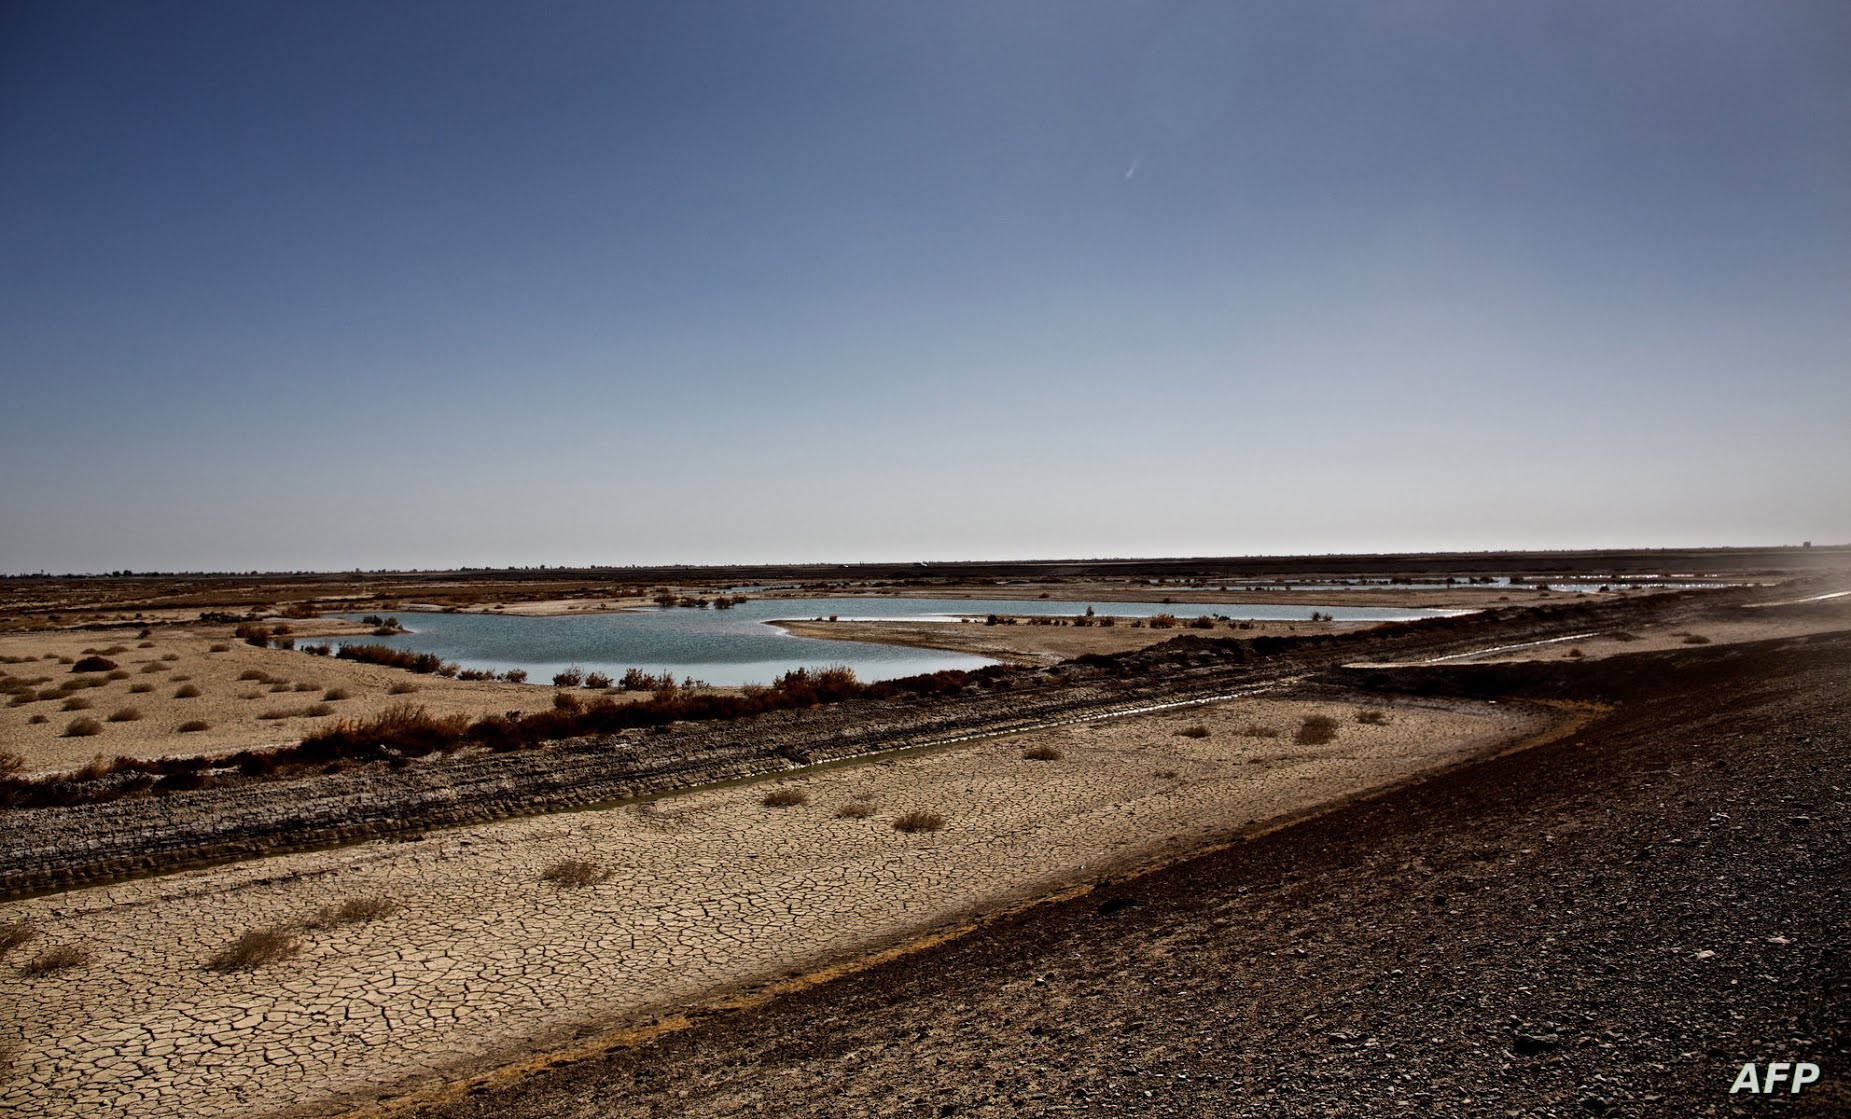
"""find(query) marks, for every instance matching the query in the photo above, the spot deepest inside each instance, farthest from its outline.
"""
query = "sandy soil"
(1033, 644)
(709, 890)
(173, 658)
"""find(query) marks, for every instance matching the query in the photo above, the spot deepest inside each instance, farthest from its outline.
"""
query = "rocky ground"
(1608, 926)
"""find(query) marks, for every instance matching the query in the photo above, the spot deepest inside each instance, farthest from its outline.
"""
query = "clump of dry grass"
(254, 674)
(1167, 774)
(1695, 639)
(82, 728)
(140, 689)
(785, 798)
(125, 715)
(353, 911)
(193, 726)
(855, 810)
(15, 933)
(37, 719)
(219, 647)
(1042, 754)
(187, 691)
(402, 687)
(305, 686)
(1260, 730)
(75, 703)
(333, 694)
(575, 872)
(1196, 731)
(1316, 730)
(255, 949)
(62, 958)
(917, 821)
(1372, 717)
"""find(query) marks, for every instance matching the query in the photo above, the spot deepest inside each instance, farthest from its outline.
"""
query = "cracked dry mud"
(709, 890)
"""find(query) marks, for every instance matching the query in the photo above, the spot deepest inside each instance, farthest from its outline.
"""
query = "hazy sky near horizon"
(339, 285)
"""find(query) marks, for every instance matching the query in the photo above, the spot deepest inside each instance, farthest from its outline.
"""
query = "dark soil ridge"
(1605, 925)
(56, 848)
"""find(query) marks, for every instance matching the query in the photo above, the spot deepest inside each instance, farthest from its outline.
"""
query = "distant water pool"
(737, 646)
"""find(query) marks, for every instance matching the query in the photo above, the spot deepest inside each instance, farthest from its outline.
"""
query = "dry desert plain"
(457, 953)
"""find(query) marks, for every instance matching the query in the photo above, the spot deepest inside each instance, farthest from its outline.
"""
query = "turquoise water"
(737, 646)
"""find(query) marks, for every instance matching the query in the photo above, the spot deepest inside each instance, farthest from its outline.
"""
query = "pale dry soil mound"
(707, 891)
(233, 709)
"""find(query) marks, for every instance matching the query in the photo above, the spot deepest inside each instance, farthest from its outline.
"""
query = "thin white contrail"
(1133, 169)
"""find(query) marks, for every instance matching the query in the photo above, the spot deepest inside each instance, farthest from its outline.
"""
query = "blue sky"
(339, 285)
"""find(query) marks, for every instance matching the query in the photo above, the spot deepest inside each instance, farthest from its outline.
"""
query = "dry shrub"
(1259, 730)
(276, 713)
(37, 719)
(785, 798)
(279, 686)
(255, 949)
(855, 810)
(1316, 730)
(317, 710)
(117, 674)
(75, 703)
(1042, 754)
(305, 686)
(916, 821)
(219, 647)
(187, 691)
(254, 674)
(1695, 639)
(93, 664)
(1196, 731)
(575, 872)
(353, 911)
(62, 958)
(1372, 717)
(402, 687)
(1167, 774)
(153, 667)
(15, 933)
(82, 728)
(140, 689)
(193, 726)
(125, 715)
(333, 694)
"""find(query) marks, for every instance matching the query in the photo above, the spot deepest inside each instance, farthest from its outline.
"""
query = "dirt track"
(1611, 926)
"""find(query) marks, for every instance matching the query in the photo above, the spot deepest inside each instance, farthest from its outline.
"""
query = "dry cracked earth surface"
(478, 959)
(1609, 925)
